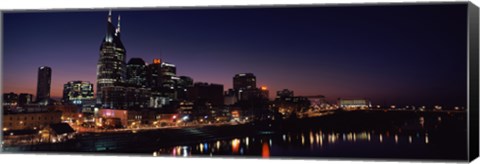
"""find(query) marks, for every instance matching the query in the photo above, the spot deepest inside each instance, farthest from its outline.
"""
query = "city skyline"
(214, 45)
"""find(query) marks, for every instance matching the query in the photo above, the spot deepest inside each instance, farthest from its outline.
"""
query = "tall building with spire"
(111, 67)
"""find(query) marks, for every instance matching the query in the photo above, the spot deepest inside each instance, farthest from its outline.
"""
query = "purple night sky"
(390, 55)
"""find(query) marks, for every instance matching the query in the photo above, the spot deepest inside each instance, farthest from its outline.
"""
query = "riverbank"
(145, 142)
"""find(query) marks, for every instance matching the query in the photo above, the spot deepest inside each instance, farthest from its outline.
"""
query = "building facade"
(30, 120)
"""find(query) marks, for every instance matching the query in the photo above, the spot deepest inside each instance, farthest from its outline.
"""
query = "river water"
(437, 136)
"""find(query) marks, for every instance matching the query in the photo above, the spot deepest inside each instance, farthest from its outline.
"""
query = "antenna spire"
(110, 15)
(118, 25)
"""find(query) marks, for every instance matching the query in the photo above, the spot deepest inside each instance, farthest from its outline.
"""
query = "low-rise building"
(354, 104)
(30, 120)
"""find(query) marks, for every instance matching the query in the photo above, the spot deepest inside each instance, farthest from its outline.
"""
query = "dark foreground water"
(317, 143)
(395, 136)
(386, 135)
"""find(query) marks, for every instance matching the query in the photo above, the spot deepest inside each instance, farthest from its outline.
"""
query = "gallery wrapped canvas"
(360, 81)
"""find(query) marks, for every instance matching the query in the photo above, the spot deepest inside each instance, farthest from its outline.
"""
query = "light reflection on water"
(262, 145)
(315, 142)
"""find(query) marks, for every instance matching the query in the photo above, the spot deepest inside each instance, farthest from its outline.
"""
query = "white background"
(92, 159)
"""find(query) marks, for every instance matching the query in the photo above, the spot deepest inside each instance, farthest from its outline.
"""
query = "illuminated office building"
(111, 67)
(354, 104)
(76, 92)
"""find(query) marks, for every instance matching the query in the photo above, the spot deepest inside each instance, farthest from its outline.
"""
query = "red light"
(265, 150)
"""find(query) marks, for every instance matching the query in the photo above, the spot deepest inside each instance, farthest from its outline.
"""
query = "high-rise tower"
(111, 67)
(43, 84)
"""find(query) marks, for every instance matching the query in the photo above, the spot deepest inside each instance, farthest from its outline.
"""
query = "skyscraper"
(244, 81)
(154, 74)
(111, 65)
(244, 85)
(169, 72)
(43, 84)
(136, 72)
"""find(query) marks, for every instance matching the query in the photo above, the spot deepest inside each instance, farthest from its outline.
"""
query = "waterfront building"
(354, 104)
(111, 67)
(70, 112)
(109, 117)
(30, 120)
(136, 73)
(76, 92)
(43, 85)
(137, 118)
